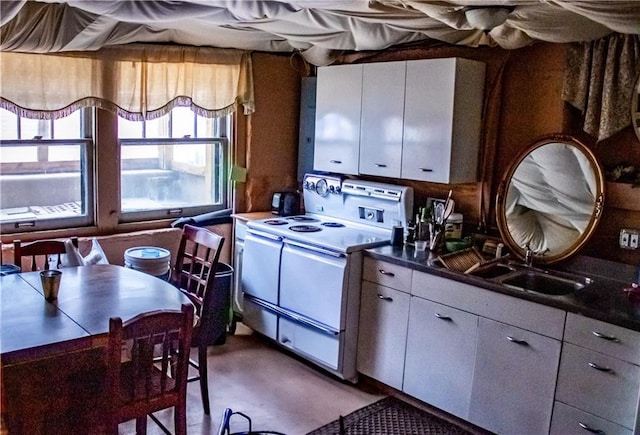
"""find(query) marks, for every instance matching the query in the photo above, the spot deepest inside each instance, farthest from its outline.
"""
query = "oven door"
(260, 275)
(314, 284)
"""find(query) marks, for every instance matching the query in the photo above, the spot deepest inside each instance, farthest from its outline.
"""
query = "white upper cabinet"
(382, 118)
(417, 120)
(442, 120)
(337, 130)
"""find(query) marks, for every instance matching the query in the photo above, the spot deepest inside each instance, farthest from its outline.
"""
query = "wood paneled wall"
(523, 102)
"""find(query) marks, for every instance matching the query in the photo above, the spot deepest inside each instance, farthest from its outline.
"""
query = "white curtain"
(137, 81)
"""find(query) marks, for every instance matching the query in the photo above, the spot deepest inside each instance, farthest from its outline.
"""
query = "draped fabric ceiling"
(318, 29)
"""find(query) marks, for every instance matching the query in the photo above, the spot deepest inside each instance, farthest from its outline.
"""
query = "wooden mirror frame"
(598, 202)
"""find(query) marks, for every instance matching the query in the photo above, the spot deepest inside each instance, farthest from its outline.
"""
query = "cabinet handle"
(380, 165)
(590, 429)
(337, 162)
(605, 336)
(600, 368)
(384, 272)
(441, 317)
(426, 169)
(385, 298)
(517, 341)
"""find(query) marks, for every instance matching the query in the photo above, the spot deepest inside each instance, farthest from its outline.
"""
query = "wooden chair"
(142, 383)
(40, 252)
(194, 274)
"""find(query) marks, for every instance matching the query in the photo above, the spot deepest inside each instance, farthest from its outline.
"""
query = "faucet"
(528, 255)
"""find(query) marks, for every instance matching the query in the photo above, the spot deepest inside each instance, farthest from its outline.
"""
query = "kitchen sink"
(543, 281)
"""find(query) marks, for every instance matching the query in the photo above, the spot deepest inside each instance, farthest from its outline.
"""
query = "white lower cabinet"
(514, 379)
(440, 356)
(600, 374)
(382, 333)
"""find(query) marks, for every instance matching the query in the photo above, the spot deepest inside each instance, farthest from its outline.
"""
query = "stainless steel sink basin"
(542, 281)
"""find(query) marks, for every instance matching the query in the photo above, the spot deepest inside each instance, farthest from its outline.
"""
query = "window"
(46, 175)
(173, 166)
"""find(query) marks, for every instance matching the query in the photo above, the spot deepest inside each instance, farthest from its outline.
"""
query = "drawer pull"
(391, 274)
(590, 429)
(385, 298)
(337, 162)
(426, 169)
(517, 341)
(600, 368)
(605, 336)
(441, 317)
(381, 165)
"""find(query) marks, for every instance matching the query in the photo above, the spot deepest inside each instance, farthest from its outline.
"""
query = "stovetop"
(322, 231)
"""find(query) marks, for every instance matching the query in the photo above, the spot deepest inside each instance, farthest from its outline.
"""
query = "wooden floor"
(279, 392)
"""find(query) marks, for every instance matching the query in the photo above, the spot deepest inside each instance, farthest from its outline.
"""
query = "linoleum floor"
(277, 391)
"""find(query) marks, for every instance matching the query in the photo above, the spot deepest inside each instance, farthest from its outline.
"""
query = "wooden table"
(51, 351)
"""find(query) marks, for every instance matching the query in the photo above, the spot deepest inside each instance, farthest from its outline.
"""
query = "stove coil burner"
(305, 228)
(303, 219)
(276, 222)
(333, 224)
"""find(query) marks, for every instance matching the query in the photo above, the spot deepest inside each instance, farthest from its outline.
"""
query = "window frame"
(221, 173)
(87, 158)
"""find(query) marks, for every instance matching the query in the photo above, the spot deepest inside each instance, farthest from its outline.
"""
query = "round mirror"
(550, 199)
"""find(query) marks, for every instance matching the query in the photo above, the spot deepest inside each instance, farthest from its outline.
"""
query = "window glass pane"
(205, 126)
(8, 125)
(46, 189)
(69, 127)
(16, 154)
(158, 127)
(182, 175)
(182, 122)
(129, 129)
(32, 128)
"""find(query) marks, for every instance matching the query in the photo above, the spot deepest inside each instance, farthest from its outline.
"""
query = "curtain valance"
(137, 81)
(599, 80)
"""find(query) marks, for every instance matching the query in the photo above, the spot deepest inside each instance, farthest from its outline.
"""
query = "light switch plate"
(629, 238)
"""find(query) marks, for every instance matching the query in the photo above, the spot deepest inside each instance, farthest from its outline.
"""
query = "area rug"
(390, 416)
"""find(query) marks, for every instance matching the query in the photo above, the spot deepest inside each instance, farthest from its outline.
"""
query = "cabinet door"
(337, 129)
(382, 115)
(441, 346)
(514, 379)
(442, 120)
(382, 333)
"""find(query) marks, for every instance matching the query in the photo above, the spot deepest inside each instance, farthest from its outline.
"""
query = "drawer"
(603, 337)
(599, 384)
(567, 420)
(524, 314)
(387, 274)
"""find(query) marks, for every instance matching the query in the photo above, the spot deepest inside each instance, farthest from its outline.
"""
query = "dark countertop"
(603, 300)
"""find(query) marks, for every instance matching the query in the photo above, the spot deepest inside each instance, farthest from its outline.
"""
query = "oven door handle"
(264, 235)
(308, 322)
(292, 316)
(317, 249)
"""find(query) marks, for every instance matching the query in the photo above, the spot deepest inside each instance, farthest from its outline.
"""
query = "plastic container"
(453, 226)
(149, 259)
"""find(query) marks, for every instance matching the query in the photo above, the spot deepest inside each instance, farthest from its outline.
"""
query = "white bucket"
(149, 259)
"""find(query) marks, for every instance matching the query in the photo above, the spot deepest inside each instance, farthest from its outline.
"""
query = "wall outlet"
(629, 239)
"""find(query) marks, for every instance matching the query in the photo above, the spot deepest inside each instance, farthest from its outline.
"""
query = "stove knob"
(332, 189)
(338, 189)
(309, 185)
